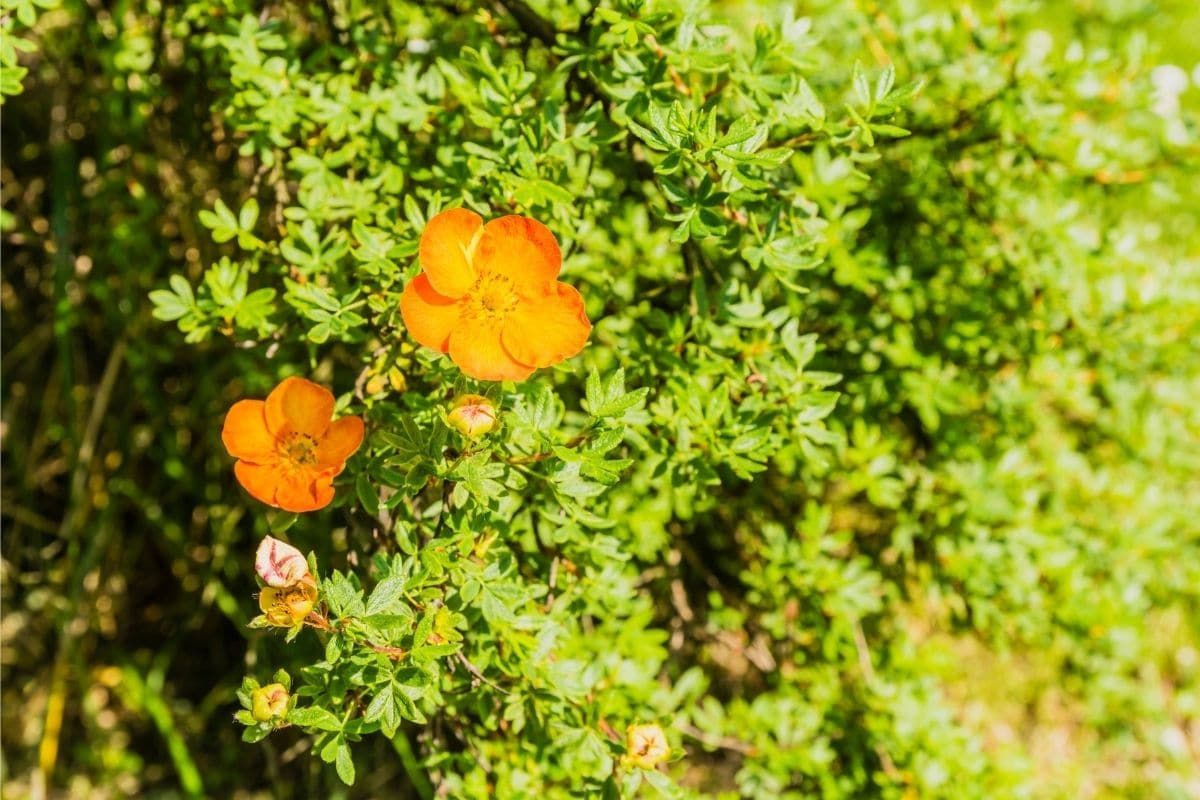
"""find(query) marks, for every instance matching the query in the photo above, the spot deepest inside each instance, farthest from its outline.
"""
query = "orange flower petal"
(259, 480)
(300, 406)
(429, 316)
(522, 249)
(548, 327)
(340, 441)
(305, 490)
(245, 432)
(291, 489)
(475, 347)
(445, 250)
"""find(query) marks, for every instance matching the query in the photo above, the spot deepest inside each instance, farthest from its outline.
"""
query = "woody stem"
(318, 621)
(321, 623)
(394, 653)
(574, 441)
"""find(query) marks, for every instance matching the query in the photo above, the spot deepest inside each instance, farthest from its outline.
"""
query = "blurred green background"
(122, 638)
(124, 543)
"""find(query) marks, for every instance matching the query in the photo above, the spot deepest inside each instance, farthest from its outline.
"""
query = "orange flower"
(488, 296)
(288, 451)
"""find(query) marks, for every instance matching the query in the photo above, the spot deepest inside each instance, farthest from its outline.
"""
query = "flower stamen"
(288, 606)
(300, 449)
(493, 296)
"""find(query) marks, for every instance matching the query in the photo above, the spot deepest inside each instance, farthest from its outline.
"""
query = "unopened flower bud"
(375, 385)
(473, 415)
(646, 746)
(269, 702)
(287, 607)
(279, 564)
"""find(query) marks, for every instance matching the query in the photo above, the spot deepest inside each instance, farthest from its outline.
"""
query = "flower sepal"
(279, 520)
(261, 621)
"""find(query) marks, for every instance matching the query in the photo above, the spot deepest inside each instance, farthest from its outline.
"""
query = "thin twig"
(682, 87)
(87, 450)
(719, 742)
(56, 706)
(574, 441)
(394, 653)
(551, 584)
(479, 676)
(322, 623)
(864, 654)
(868, 670)
(530, 22)
(608, 730)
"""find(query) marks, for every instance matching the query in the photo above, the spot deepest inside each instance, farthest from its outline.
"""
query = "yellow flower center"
(647, 746)
(289, 605)
(300, 449)
(492, 296)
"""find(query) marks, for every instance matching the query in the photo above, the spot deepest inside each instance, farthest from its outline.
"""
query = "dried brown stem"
(720, 742)
(321, 623)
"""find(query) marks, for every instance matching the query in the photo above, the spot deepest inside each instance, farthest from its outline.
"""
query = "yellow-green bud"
(646, 746)
(269, 702)
(473, 415)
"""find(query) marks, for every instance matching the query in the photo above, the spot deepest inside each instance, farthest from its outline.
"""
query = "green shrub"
(878, 476)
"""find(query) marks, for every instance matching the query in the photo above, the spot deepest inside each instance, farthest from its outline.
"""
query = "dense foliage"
(878, 477)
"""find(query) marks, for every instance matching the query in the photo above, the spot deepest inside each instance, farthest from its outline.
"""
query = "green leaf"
(314, 717)
(405, 707)
(469, 590)
(862, 88)
(606, 471)
(741, 130)
(248, 215)
(538, 410)
(256, 733)
(651, 138)
(480, 476)
(495, 611)
(366, 494)
(424, 628)
(430, 652)
(345, 763)
(168, 306)
(380, 703)
(344, 598)
(182, 288)
(385, 595)
(609, 399)
(884, 83)
(660, 782)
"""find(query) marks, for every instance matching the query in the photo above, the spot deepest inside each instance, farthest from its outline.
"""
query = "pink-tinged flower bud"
(269, 702)
(473, 415)
(279, 564)
(646, 746)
